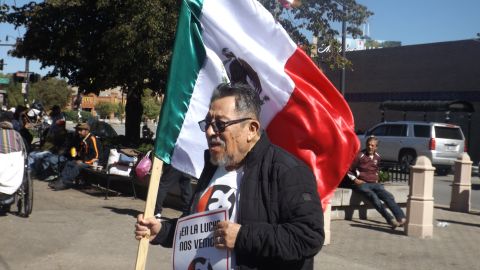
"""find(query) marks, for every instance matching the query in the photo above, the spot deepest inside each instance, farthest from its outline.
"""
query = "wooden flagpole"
(149, 208)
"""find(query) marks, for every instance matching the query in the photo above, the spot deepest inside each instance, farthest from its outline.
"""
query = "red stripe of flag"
(316, 125)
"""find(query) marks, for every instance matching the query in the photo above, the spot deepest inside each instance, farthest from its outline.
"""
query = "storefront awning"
(427, 106)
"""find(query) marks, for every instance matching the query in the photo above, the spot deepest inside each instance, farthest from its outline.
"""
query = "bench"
(108, 178)
(345, 202)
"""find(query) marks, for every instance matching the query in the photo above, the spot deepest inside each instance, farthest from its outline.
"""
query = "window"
(421, 131)
(378, 131)
(397, 130)
(448, 133)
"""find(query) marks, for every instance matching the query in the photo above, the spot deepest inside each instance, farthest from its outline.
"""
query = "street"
(442, 191)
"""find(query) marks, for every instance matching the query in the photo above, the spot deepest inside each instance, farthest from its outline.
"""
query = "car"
(475, 169)
(404, 141)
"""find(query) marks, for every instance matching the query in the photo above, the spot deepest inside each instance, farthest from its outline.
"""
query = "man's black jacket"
(280, 211)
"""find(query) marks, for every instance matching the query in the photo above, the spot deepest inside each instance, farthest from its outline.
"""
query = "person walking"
(275, 214)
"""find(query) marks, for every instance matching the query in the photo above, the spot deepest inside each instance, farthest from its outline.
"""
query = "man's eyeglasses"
(219, 125)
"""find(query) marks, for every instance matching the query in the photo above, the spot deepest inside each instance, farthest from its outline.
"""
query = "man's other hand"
(147, 227)
(358, 181)
(226, 234)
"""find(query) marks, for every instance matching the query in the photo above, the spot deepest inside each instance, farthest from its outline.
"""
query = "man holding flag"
(301, 111)
(275, 214)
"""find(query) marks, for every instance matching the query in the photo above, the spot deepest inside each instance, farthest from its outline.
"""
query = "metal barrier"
(395, 172)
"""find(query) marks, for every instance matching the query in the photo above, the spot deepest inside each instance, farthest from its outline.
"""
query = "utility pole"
(27, 81)
(344, 39)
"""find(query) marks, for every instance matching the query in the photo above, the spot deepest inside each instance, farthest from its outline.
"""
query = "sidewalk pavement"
(371, 244)
(78, 229)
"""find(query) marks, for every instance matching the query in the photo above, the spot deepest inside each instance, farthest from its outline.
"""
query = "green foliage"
(15, 96)
(370, 43)
(145, 147)
(73, 115)
(85, 115)
(317, 18)
(104, 44)
(50, 92)
(151, 105)
(100, 44)
(70, 115)
(104, 109)
(120, 111)
(383, 176)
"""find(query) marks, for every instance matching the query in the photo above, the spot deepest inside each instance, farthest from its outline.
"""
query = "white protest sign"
(194, 246)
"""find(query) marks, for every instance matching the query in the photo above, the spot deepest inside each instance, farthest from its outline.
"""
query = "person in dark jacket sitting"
(275, 214)
(88, 153)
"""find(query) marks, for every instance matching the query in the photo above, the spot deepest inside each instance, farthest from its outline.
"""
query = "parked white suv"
(403, 141)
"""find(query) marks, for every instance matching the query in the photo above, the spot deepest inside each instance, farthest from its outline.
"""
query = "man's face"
(227, 148)
(82, 132)
(372, 147)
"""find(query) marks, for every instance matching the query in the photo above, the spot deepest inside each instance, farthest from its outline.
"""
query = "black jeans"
(170, 176)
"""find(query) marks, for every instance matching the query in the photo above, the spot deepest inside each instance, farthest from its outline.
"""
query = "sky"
(409, 21)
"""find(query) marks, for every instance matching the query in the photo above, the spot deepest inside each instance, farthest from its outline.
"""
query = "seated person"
(88, 153)
(20, 123)
(364, 176)
(44, 163)
(12, 160)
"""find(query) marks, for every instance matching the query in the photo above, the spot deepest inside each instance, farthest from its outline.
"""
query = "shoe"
(52, 184)
(402, 222)
(51, 178)
(60, 186)
(6, 199)
(4, 210)
(394, 224)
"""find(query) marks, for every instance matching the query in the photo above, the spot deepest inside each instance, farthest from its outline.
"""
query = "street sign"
(24, 88)
(4, 80)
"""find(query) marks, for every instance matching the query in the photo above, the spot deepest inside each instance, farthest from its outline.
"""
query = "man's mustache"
(216, 141)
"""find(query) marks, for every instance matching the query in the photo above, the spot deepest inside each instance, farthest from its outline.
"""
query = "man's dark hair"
(372, 138)
(247, 99)
(6, 116)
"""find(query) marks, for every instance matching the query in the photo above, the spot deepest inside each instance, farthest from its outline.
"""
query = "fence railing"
(395, 172)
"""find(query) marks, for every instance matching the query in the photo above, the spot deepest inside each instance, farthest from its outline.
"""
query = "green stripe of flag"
(187, 60)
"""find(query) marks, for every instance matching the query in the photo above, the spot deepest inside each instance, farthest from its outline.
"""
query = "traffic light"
(34, 77)
(1, 64)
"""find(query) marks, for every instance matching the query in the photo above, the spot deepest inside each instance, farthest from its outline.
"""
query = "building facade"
(438, 72)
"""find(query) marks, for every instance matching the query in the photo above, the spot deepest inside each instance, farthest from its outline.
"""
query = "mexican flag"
(239, 40)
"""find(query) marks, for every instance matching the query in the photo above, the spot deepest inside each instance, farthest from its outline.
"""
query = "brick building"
(90, 100)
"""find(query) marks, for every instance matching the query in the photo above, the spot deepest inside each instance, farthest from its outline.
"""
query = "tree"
(127, 43)
(120, 111)
(14, 93)
(317, 18)
(49, 92)
(151, 105)
(101, 44)
(105, 109)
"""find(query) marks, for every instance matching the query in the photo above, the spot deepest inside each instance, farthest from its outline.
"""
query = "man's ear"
(253, 129)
